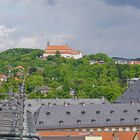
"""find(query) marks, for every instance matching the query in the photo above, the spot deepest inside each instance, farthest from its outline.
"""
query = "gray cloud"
(91, 26)
(134, 3)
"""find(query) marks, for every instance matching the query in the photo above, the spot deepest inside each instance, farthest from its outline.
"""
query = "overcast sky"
(92, 26)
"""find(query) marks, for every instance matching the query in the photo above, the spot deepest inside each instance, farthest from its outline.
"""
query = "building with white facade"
(64, 50)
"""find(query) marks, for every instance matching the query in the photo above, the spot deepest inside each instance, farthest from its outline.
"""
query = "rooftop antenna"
(48, 43)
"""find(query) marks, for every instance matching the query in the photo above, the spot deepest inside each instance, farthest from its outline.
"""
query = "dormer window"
(48, 113)
(41, 123)
(29, 105)
(125, 111)
(122, 120)
(83, 112)
(107, 120)
(79, 121)
(136, 119)
(93, 121)
(112, 111)
(82, 103)
(97, 112)
(61, 122)
(68, 113)
(42, 104)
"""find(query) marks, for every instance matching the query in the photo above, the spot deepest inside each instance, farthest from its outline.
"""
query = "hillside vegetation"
(62, 75)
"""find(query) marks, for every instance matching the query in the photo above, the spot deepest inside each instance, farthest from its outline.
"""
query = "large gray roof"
(10, 118)
(90, 115)
(33, 104)
(131, 95)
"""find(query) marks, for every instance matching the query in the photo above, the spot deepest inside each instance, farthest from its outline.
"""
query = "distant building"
(134, 62)
(64, 50)
(3, 77)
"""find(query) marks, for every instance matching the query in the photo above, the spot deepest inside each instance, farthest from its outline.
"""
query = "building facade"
(64, 50)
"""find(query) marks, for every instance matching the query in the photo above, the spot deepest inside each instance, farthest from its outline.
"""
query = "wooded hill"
(93, 76)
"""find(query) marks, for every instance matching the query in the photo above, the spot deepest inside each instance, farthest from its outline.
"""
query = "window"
(112, 111)
(41, 123)
(42, 104)
(138, 110)
(97, 112)
(68, 113)
(83, 112)
(122, 120)
(107, 120)
(47, 113)
(82, 103)
(78, 121)
(29, 105)
(136, 119)
(93, 121)
(54, 103)
(125, 111)
(61, 122)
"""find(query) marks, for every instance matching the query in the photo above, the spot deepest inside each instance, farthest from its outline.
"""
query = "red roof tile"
(58, 47)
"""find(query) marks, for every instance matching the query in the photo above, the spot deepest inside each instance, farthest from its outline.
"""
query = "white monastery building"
(64, 50)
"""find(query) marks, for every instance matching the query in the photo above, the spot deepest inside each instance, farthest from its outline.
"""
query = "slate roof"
(33, 104)
(90, 115)
(131, 95)
(10, 119)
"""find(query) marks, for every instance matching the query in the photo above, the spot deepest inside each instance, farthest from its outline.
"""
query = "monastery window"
(97, 112)
(83, 112)
(61, 122)
(68, 113)
(41, 123)
(79, 121)
(48, 113)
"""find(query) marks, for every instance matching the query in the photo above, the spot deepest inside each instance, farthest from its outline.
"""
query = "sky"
(92, 26)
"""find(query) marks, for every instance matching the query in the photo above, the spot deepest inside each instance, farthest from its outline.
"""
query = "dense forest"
(92, 76)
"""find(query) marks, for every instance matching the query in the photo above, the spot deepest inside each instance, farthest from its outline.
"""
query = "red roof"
(63, 52)
(55, 133)
(58, 47)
